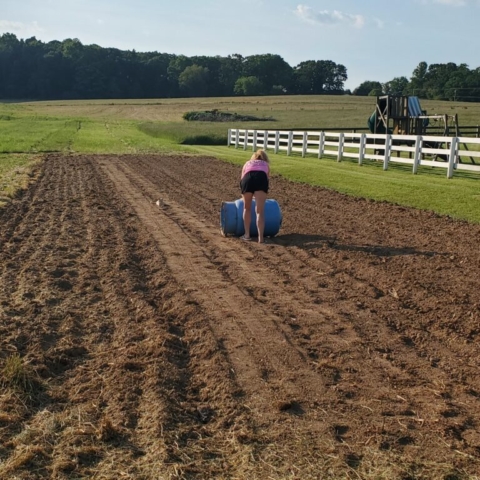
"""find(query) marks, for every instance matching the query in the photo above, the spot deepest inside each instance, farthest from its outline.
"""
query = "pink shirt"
(256, 166)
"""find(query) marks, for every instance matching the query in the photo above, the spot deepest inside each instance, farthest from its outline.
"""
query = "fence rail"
(466, 130)
(425, 150)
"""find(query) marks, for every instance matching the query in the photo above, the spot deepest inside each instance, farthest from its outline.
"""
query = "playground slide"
(380, 126)
(414, 110)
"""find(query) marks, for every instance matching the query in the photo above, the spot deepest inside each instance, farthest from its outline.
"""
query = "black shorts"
(253, 182)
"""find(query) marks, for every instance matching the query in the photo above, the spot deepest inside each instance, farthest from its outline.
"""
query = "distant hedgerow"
(217, 116)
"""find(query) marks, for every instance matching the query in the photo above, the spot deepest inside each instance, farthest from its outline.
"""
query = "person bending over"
(254, 183)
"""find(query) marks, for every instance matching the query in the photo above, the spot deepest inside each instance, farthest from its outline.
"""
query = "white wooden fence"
(421, 150)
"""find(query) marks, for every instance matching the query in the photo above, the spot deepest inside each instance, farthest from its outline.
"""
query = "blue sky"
(373, 39)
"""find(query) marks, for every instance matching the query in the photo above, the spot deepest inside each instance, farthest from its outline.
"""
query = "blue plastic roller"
(231, 218)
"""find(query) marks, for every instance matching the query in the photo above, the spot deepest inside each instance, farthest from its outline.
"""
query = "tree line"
(32, 69)
(438, 81)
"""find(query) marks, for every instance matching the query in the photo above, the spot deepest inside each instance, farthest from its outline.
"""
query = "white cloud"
(22, 29)
(326, 17)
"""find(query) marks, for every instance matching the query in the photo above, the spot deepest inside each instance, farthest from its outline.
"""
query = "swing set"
(403, 115)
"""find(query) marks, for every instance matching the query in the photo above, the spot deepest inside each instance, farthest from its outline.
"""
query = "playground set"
(403, 115)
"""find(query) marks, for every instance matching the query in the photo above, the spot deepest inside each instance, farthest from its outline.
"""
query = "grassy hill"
(28, 129)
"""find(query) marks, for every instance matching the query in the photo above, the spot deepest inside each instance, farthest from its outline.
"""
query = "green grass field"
(144, 126)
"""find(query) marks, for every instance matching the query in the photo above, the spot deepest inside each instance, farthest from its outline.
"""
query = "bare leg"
(260, 199)
(247, 212)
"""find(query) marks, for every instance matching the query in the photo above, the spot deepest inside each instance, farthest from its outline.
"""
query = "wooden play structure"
(403, 115)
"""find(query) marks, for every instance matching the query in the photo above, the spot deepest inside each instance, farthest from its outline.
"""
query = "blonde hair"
(260, 155)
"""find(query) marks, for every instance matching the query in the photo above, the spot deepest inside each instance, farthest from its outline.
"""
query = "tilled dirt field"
(150, 347)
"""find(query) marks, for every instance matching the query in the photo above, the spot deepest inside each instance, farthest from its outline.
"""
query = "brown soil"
(154, 348)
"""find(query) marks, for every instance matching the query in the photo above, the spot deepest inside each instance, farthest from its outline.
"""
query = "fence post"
(321, 144)
(237, 138)
(254, 146)
(452, 157)
(277, 141)
(265, 140)
(361, 148)
(245, 140)
(341, 140)
(228, 139)
(304, 144)
(388, 144)
(418, 153)
(290, 142)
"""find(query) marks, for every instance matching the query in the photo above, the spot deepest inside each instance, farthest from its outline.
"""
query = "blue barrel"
(231, 218)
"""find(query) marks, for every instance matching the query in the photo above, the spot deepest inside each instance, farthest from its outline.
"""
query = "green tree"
(459, 83)
(336, 76)
(154, 81)
(248, 86)
(397, 86)
(366, 87)
(213, 65)
(193, 81)
(376, 92)
(320, 76)
(270, 70)
(417, 79)
(230, 71)
(436, 78)
(176, 66)
(309, 78)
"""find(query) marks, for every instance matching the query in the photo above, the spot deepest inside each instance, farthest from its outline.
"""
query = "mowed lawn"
(30, 129)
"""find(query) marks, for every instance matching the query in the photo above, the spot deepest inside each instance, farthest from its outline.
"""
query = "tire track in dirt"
(360, 344)
(345, 289)
(263, 358)
(358, 287)
(126, 381)
(329, 351)
(50, 317)
(387, 351)
(93, 332)
(40, 273)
